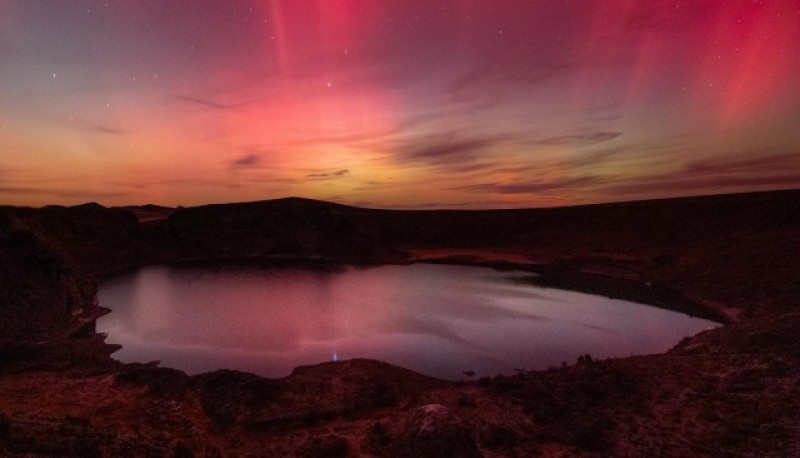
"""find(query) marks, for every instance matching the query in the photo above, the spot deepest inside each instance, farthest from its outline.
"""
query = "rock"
(330, 446)
(434, 430)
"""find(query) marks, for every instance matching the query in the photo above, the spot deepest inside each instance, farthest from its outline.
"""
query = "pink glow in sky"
(418, 104)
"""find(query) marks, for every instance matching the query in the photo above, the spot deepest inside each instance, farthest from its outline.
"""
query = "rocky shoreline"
(731, 391)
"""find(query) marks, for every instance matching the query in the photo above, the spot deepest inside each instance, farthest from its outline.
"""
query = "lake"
(439, 320)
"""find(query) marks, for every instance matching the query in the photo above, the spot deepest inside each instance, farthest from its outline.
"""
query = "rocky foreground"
(731, 391)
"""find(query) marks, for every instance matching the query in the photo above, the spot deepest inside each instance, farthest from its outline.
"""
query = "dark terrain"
(731, 391)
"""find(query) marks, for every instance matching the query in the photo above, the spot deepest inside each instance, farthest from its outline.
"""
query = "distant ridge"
(729, 257)
(297, 200)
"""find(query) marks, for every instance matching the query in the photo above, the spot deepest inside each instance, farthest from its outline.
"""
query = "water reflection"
(435, 319)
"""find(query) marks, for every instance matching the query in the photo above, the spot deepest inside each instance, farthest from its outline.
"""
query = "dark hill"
(731, 391)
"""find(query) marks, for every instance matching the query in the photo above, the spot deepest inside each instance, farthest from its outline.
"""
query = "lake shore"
(731, 391)
(441, 320)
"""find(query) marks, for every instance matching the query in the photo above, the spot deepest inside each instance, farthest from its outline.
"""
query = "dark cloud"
(325, 175)
(428, 205)
(272, 180)
(475, 91)
(445, 149)
(775, 171)
(373, 185)
(642, 154)
(67, 193)
(675, 184)
(773, 162)
(596, 157)
(355, 139)
(20, 190)
(527, 187)
(96, 127)
(201, 182)
(475, 84)
(109, 130)
(578, 139)
(130, 184)
(474, 205)
(212, 104)
(393, 137)
(470, 167)
(247, 161)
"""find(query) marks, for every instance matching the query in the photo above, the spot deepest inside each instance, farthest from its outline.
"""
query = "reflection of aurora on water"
(435, 319)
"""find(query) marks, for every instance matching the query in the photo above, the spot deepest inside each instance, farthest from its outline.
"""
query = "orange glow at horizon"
(460, 104)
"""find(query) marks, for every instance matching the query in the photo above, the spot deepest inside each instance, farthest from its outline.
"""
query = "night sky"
(407, 104)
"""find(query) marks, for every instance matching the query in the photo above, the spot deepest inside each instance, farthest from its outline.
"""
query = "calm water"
(435, 319)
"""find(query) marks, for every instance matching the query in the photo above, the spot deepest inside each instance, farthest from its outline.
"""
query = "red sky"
(418, 104)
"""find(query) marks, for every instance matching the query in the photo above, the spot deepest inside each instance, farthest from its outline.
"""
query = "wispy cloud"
(103, 129)
(777, 162)
(777, 171)
(488, 77)
(375, 185)
(576, 139)
(438, 150)
(212, 104)
(247, 161)
(532, 187)
(328, 175)
(446, 151)
(676, 184)
(67, 193)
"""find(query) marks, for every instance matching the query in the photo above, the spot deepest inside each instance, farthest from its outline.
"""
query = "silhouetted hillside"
(731, 391)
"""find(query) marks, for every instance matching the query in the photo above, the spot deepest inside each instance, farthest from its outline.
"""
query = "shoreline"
(540, 275)
(729, 391)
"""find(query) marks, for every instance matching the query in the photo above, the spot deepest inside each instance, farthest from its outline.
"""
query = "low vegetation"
(731, 391)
